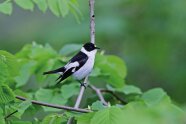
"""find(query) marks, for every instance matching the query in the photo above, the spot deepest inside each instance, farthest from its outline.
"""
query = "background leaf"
(6, 7)
(6, 94)
(25, 4)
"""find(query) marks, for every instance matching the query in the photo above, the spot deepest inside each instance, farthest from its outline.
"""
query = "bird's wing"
(73, 65)
(81, 58)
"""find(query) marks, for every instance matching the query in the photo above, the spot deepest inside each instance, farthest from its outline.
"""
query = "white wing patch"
(72, 65)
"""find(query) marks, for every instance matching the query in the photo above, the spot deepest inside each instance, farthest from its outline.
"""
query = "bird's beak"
(97, 48)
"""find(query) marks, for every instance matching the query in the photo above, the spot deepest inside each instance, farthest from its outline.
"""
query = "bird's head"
(89, 48)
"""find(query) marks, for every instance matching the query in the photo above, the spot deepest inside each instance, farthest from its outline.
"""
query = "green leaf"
(53, 119)
(6, 7)
(70, 90)
(155, 96)
(26, 71)
(2, 120)
(21, 122)
(112, 115)
(53, 6)
(130, 89)
(10, 61)
(114, 67)
(22, 107)
(6, 94)
(63, 7)
(85, 118)
(4, 74)
(97, 106)
(95, 72)
(25, 4)
(53, 97)
(69, 49)
(42, 4)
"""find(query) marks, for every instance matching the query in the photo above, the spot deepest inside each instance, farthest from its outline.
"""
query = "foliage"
(57, 7)
(22, 75)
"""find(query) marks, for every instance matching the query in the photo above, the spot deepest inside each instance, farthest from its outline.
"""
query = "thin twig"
(92, 40)
(11, 114)
(55, 106)
(99, 94)
(116, 96)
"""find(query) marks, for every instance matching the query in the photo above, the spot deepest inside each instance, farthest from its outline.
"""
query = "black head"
(90, 47)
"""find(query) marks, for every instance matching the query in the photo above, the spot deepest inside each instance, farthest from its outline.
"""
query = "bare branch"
(99, 94)
(55, 106)
(116, 96)
(92, 21)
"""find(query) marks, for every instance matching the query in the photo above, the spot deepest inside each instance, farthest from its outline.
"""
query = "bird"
(78, 66)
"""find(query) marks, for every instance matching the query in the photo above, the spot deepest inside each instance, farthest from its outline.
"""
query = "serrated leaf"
(53, 6)
(98, 105)
(42, 5)
(63, 7)
(69, 90)
(10, 61)
(25, 4)
(6, 7)
(53, 97)
(112, 115)
(4, 74)
(6, 94)
(53, 119)
(22, 107)
(155, 96)
(69, 49)
(2, 120)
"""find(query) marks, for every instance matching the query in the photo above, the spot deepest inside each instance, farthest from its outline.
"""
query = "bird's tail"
(62, 69)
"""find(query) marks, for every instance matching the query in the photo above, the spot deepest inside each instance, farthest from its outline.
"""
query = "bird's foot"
(82, 84)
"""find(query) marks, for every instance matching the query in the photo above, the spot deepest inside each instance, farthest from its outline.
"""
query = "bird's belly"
(84, 70)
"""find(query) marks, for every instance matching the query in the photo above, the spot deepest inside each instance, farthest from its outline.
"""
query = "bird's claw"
(83, 85)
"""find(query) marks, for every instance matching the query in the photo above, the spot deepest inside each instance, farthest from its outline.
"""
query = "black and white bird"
(79, 66)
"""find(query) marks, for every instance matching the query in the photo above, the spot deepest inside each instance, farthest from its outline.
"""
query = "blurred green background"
(150, 35)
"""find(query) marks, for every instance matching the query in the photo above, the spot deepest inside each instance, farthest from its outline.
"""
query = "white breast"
(86, 69)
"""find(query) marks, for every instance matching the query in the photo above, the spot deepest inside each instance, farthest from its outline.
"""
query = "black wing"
(81, 58)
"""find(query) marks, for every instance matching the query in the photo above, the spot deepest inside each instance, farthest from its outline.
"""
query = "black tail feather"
(62, 69)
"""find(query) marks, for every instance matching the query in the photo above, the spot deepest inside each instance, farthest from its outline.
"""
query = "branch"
(98, 92)
(92, 40)
(116, 96)
(55, 106)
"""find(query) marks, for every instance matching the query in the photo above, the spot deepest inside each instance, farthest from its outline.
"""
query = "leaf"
(53, 6)
(4, 74)
(69, 90)
(25, 4)
(114, 67)
(130, 89)
(112, 115)
(95, 72)
(6, 7)
(97, 106)
(63, 7)
(6, 94)
(2, 120)
(26, 71)
(53, 97)
(10, 61)
(69, 49)
(22, 107)
(85, 118)
(21, 122)
(53, 119)
(155, 96)
(42, 4)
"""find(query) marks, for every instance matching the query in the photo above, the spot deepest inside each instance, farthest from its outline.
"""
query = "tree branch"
(92, 40)
(55, 106)
(116, 96)
(99, 94)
